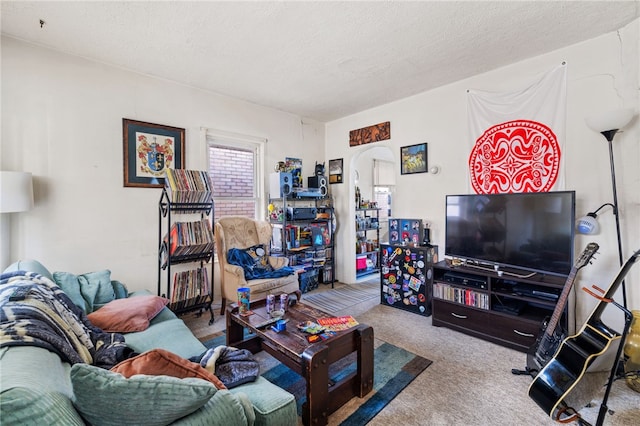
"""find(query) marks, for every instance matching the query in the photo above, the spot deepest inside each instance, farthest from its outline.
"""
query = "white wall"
(602, 74)
(62, 121)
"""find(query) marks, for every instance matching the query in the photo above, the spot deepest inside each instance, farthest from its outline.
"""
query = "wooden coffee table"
(309, 360)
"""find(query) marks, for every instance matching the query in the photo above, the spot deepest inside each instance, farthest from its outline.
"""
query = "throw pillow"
(69, 284)
(260, 259)
(162, 362)
(107, 398)
(89, 291)
(128, 315)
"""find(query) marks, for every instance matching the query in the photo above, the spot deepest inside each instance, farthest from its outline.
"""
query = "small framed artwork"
(335, 171)
(148, 151)
(413, 159)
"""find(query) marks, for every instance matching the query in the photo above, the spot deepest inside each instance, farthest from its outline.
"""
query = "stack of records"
(188, 186)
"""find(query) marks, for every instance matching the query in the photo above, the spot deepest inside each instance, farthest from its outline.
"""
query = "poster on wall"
(148, 151)
(335, 171)
(518, 136)
(413, 159)
(294, 165)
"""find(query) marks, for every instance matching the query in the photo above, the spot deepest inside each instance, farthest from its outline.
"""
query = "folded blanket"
(231, 365)
(49, 319)
(251, 272)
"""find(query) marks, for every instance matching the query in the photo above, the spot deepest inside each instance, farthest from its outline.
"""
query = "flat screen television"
(528, 231)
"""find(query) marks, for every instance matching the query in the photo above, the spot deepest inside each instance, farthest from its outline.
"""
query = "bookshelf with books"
(303, 231)
(186, 243)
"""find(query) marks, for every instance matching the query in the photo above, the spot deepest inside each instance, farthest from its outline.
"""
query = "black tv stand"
(494, 311)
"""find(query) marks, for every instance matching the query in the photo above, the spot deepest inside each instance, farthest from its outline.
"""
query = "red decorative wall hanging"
(515, 156)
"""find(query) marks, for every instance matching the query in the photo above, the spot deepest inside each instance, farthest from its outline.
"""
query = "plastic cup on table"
(243, 300)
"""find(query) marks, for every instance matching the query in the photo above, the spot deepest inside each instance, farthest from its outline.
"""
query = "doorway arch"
(361, 169)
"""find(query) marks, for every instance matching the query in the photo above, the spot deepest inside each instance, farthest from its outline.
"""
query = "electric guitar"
(550, 334)
(552, 387)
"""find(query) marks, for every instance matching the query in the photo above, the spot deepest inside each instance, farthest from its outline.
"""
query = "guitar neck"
(562, 302)
(597, 312)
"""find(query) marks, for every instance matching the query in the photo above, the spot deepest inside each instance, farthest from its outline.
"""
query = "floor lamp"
(16, 195)
(608, 124)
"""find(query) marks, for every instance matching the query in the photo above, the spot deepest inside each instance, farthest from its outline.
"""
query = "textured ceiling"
(321, 60)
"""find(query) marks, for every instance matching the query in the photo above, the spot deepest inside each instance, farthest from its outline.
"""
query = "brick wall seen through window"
(232, 171)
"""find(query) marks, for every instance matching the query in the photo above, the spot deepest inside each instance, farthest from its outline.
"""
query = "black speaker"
(280, 184)
(319, 182)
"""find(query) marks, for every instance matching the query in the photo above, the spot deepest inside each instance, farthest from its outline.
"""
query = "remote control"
(20, 293)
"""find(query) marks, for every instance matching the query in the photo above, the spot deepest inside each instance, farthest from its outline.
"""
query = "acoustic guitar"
(550, 334)
(552, 387)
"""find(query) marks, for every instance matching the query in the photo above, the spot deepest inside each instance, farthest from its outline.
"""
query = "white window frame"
(214, 137)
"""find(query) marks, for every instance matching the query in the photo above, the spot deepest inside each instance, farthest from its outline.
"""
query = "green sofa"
(36, 386)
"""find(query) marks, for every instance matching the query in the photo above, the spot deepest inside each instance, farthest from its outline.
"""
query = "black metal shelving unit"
(367, 220)
(326, 271)
(191, 253)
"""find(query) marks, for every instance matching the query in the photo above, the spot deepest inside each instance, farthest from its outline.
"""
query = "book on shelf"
(188, 186)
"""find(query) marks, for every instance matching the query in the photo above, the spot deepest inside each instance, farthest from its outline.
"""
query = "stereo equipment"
(280, 184)
(465, 279)
(319, 182)
(307, 192)
(301, 213)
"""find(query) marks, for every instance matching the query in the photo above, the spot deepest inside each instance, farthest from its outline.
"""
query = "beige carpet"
(469, 382)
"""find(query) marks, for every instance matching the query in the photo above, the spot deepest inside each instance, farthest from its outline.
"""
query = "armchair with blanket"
(242, 244)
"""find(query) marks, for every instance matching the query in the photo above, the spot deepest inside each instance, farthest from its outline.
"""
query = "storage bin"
(308, 280)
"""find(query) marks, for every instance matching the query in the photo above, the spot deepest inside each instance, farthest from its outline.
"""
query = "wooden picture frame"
(148, 150)
(335, 171)
(413, 159)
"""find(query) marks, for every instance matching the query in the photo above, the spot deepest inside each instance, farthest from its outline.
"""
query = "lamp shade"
(588, 224)
(16, 192)
(610, 120)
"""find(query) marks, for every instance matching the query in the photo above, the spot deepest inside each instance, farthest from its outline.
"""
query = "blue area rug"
(394, 369)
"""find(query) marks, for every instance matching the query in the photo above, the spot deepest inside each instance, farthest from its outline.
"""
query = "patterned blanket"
(49, 319)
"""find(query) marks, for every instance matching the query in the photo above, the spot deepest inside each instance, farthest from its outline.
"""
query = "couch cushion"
(162, 362)
(28, 395)
(32, 405)
(128, 315)
(224, 408)
(172, 335)
(272, 404)
(29, 265)
(107, 398)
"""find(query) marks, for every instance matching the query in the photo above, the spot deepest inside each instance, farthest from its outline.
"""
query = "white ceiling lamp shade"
(16, 192)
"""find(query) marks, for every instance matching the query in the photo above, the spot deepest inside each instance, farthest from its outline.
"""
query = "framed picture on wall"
(335, 171)
(413, 159)
(148, 150)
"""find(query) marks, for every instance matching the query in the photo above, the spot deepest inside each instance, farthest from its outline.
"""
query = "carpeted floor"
(469, 382)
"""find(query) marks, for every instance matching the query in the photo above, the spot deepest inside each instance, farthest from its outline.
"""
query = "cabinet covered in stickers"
(405, 277)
